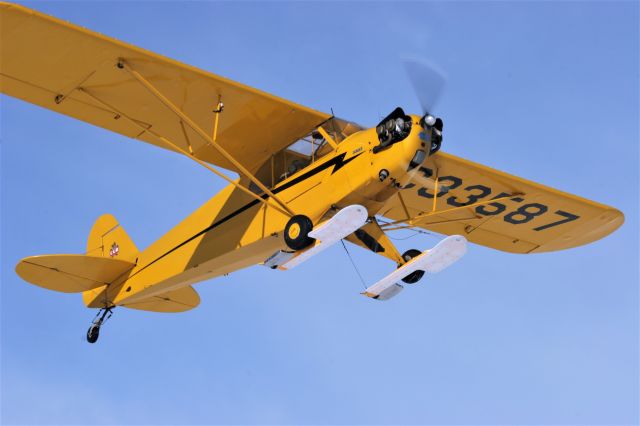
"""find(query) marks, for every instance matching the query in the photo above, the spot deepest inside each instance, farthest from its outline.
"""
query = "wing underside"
(450, 195)
(74, 71)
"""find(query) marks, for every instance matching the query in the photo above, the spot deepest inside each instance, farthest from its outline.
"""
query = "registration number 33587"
(525, 213)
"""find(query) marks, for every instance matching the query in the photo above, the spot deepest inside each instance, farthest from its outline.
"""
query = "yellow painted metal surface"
(526, 217)
(232, 231)
(372, 231)
(71, 273)
(236, 229)
(180, 300)
(108, 239)
(46, 61)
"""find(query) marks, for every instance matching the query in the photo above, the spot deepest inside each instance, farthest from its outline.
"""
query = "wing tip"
(604, 224)
(7, 6)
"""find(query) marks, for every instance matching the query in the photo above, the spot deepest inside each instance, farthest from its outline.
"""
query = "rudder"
(108, 239)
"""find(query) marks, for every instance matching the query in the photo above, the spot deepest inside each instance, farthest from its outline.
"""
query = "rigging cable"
(404, 238)
(409, 228)
(354, 264)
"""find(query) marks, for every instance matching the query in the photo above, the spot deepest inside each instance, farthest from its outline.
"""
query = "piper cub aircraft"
(307, 179)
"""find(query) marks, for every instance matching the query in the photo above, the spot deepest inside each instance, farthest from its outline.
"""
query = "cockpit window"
(310, 146)
(340, 129)
(302, 153)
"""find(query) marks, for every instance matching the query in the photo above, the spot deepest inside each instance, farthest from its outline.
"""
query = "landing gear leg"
(101, 317)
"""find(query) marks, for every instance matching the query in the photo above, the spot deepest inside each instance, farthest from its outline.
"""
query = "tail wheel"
(415, 276)
(93, 333)
(296, 233)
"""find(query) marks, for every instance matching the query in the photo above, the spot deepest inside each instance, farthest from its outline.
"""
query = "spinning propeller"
(428, 84)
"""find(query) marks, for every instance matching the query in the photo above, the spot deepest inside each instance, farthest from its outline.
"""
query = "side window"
(301, 153)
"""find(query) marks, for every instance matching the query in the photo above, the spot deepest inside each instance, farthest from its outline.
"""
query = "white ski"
(443, 255)
(345, 222)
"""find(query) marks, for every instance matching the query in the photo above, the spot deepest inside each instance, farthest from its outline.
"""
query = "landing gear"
(440, 257)
(93, 333)
(296, 233)
(415, 276)
(101, 317)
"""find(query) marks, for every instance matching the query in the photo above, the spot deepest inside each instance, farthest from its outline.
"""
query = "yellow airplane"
(307, 179)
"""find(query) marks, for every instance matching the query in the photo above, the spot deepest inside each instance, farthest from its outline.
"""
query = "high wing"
(496, 209)
(74, 71)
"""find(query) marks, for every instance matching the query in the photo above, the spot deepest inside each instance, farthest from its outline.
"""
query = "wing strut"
(392, 226)
(123, 65)
(286, 212)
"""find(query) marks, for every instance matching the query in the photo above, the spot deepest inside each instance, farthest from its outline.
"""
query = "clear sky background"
(547, 91)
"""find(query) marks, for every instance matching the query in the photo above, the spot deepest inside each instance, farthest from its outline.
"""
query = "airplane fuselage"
(233, 230)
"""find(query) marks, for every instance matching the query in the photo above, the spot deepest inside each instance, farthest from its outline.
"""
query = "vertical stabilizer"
(108, 239)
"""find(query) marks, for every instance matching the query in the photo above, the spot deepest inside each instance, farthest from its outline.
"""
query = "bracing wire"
(354, 264)
(414, 229)
(403, 238)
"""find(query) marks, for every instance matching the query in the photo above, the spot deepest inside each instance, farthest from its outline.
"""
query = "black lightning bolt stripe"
(337, 162)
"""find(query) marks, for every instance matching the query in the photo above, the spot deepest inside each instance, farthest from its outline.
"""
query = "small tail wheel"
(101, 317)
(415, 276)
(93, 333)
(296, 233)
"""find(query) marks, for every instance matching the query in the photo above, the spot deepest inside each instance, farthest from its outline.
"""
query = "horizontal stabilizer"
(71, 273)
(180, 300)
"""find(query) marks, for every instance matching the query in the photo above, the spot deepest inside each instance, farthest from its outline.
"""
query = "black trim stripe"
(337, 162)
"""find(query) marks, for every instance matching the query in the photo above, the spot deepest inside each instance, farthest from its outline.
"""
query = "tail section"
(101, 273)
(110, 255)
(71, 273)
(108, 239)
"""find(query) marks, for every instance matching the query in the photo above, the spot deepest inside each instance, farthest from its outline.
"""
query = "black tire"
(296, 233)
(93, 333)
(415, 276)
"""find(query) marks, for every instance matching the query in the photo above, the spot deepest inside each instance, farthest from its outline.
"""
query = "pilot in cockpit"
(294, 166)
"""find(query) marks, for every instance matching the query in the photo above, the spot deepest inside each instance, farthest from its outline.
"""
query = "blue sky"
(547, 91)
